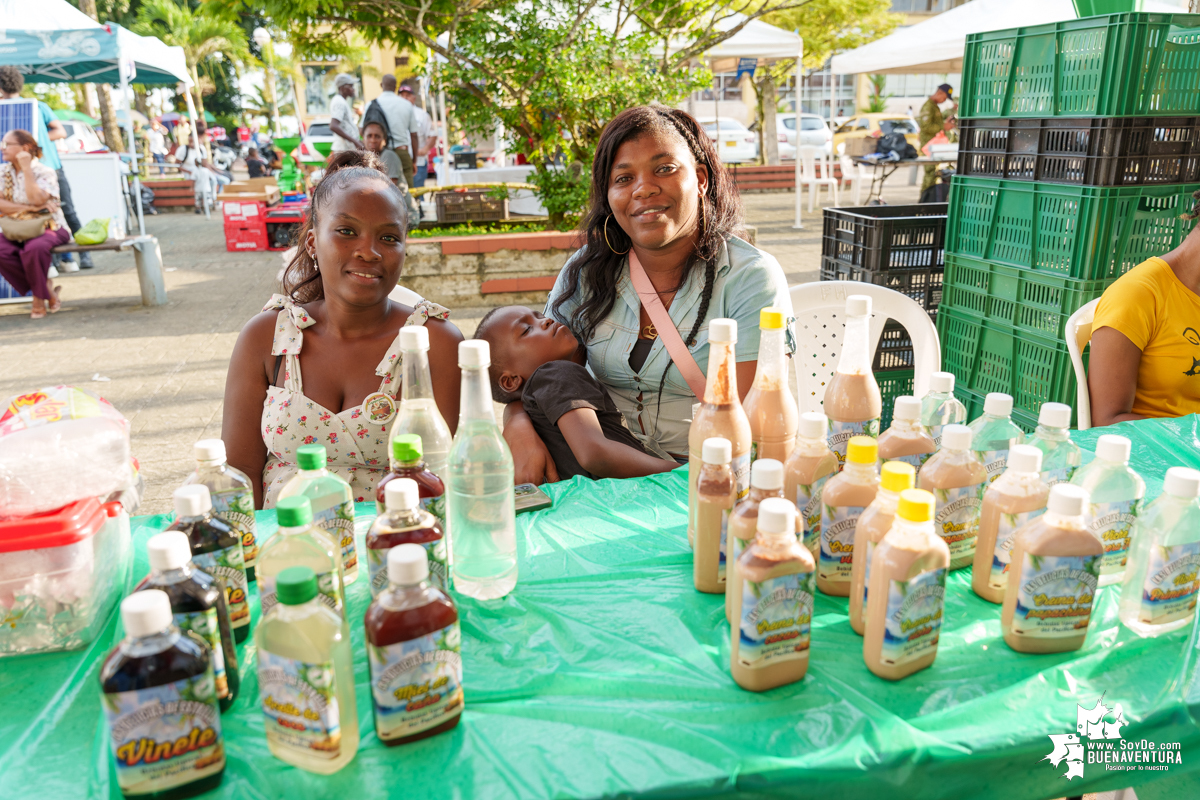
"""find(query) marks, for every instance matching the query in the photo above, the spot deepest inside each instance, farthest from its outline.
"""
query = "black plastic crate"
(886, 237)
(922, 285)
(1128, 151)
(895, 350)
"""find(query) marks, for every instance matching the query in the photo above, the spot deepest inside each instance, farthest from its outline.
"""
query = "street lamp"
(262, 37)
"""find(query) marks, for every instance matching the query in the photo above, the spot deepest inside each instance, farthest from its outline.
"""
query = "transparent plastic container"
(940, 407)
(1060, 456)
(1116, 494)
(995, 433)
(419, 413)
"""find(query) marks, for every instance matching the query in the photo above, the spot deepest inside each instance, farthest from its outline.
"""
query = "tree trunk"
(108, 120)
(769, 102)
(196, 95)
(89, 100)
(140, 101)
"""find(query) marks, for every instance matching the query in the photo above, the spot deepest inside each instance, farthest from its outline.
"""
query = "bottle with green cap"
(770, 405)
(306, 677)
(873, 525)
(408, 462)
(332, 502)
(216, 549)
(403, 521)
(300, 543)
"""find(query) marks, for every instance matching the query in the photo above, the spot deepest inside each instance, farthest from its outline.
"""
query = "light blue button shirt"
(747, 281)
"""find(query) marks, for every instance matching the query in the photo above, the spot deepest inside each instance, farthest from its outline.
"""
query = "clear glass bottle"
(480, 505)
(852, 400)
(995, 433)
(906, 440)
(716, 489)
(419, 413)
(408, 461)
(940, 407)
(809, 466)
(1008, 505)
(331, 499)
(300, 543)
(957, 479)
(1159, 591)
(769, 405)
(874, 523)
(404, 521)
(217, 550)
(843, 498)
(766, 480)
(232, 495)
(1116, 493)
(306, 678)
(1060, 456)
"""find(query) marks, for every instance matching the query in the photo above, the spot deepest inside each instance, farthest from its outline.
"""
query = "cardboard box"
(861, 145)
(244, 192)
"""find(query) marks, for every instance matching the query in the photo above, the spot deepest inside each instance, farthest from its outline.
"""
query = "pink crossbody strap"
(665, 327)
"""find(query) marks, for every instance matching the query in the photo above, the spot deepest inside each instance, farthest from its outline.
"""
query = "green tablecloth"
(606, 674)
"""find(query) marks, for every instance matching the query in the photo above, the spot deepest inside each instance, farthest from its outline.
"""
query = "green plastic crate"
(1083, 232)
(892, 384)
(1117, 65)
(1026, 421)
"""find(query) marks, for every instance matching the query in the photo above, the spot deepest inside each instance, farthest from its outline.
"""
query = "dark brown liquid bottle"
(407, 463)
(403, 522)
(217, 550)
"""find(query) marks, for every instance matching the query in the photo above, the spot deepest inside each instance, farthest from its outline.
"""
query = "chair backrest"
(807, 157)
(849, 171)
(820, 307)
(406, 296)
(1078, 333)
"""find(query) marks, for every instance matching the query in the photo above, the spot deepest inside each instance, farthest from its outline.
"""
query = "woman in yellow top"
(1145, 358)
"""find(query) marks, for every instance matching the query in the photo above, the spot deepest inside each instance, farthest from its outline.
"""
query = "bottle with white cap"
(957, 479)
(874, 523)
(217, 550)
(770, 405)
(766, 480)
(770, 635)
(300, 542)
(480, 504)
(715, 490)
(1158, 594)
(940, 407)
(419, 413)
(1060, 456)
(1008, 505)
(721, 414)
(852, 400)
(906, 440)
(414, 651)
(1116, 493)
(158, 691)
(995, 433)
(808, 467)
(197, 606)
(232, 495)
(1053, 578)
(331, 499)
(404, 521)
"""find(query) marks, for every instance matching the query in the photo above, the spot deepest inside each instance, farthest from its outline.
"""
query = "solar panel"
(21, 113)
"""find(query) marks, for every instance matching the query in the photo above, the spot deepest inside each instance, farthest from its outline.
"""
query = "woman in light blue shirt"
(658, 188)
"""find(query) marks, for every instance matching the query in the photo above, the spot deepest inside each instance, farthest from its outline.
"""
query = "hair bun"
(348, 159)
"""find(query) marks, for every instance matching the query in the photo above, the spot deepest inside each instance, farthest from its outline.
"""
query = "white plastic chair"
(855, 174)
(820, 307)
(406, 296)
(810, 157)
(1078, 333)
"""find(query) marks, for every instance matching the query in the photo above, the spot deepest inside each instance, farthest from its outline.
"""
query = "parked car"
(813, 132)
(737, 144)
(81, 138)
(317, 142)
(875, 125)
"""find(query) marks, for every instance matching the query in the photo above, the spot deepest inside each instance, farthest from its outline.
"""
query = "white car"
(737, 143)
(81, 138)
(813, 132)
(318, 133)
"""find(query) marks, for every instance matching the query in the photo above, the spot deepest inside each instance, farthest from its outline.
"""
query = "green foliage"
(877, 103)
(563, 192)
(471, 229)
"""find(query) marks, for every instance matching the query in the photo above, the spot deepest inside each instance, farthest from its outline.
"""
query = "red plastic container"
(243, 211)
(243, 236)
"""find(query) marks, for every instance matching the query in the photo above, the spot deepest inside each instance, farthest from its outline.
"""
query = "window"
(319, 130)
(790, 123)
(811, 124)
(897, 126)
(724, 87)
(924, 6)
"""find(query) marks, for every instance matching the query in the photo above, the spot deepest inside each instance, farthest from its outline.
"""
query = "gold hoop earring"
(607, 242)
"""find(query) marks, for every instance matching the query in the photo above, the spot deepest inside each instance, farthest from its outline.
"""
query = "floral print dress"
(356, 448)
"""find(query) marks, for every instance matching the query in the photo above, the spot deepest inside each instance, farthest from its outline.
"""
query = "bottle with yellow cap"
(770, 405)
(957, 479)
(907, 591)
(843, 498)
(873, 525)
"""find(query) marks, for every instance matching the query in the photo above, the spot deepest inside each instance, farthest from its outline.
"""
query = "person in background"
(375, 138)
(426, 135)
(1145, 359)
(932, 122)
(195, 164)
(343, 122)
(402, 125)
(255, 165)
(27, 185)
(158, 144)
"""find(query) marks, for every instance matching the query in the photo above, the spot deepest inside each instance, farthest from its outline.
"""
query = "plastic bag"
(936, 140)
(95, 232)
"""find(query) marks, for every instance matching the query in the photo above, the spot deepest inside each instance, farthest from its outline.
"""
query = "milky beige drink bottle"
(772, 615)
(715, 498)
(770, 405)
(956, 477)
(1054, 576)
(843, 499)
(873, 525)
(720, 414)
(1017, 497)
(907, 591)
(852, 400)
(906, 440)
(766, 480)
(807, 468)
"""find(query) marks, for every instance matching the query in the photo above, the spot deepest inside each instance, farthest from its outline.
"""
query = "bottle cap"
(296, 585)
(862, 450)
(407, 447)
(858, 305)
(956, 437)
(1067, 499)
(814, 425)
(770, 319)
(906, 408)
(192, 500)
(407, 564)
(766, 474)
(413, 338)
(998, 404)
(1055, 415)
(1024, 458)
(941, 382)
(146, 613)
(294, 512)
(723, 330)
(916, 505)
(1182, 482)
(311, 456)
(896, 476)
(716, 451)
(776, 515)
(168, 550)
(1111, 447)
(210, 451)
(401, 494)
(474, 353)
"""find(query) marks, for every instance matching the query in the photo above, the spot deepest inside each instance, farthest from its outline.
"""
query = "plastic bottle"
(721, 415)
(197, 606)
(906, 440)
(404, 521)
(407, 462)
(874, 523)
(331, 499)
(1159, 592)
(419, 413)
(217, 550)
(1053, 579)
(306, 678)
(414, 651)
(300, 543)
(852, 401)
(158, 692)
(232, 495)
(480, 506)
(769, 644)
(807, 469)
(1116, 493)
(1008, 505)
(940, 407)
(715, 489)
(843, 498)
(770, 406)
(1060, 456)
(957, 479)
(995, 433)
(766, 480)
(907, 591)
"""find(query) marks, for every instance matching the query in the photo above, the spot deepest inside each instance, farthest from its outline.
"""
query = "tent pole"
(799, 84)
(196, 139)
(133, 163)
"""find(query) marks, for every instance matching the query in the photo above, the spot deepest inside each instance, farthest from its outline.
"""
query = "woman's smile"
(368, 278)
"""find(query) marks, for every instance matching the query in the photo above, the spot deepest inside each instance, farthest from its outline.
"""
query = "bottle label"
(737, 547)
(956, 518)
(776, 620)
(1053, 477)
(439, 572)
(1112, 523)
(935, 433)
(914, 459)
(836, 559)
(235, 507)
(329, 592)
(808, 500)
(724, 544)
(994, 461)
(338, 520)
(1006, 537)
(416, 685)
(437, 507)
(914, 618)
(740, 466)
(867, 579)
(1054, 595)
(204, 625)
(228, 567)
(1169, 590)
(299, 702)
(840, 434)
(165, 736)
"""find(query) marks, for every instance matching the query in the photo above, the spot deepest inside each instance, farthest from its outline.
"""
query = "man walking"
(343, 122)
(931, 122)
(402, 125)
(426, 139)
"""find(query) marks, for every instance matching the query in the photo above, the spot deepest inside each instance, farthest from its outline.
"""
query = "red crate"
(242, 211)
(240, 237)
